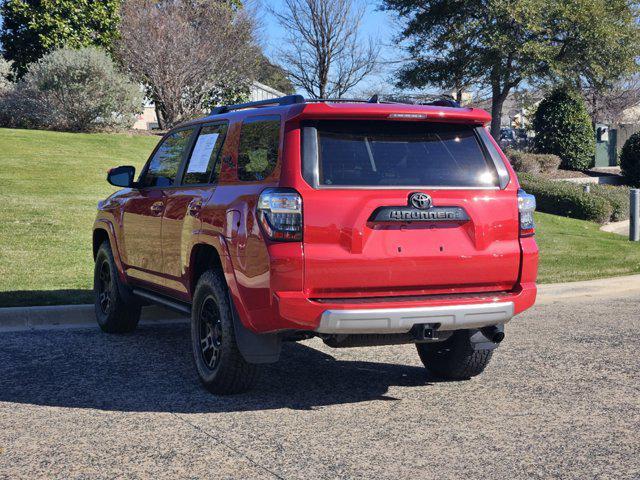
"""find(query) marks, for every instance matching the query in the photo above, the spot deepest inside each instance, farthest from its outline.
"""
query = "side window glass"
(163, 167)
(205, 155)
(258, 151)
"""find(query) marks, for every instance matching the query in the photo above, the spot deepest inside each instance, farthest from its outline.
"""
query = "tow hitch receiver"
(428, 332)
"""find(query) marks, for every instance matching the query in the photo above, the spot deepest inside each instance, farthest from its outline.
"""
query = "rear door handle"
(157, 207)
(194, 207)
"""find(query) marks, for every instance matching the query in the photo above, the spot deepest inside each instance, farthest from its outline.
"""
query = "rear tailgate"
(364, 237)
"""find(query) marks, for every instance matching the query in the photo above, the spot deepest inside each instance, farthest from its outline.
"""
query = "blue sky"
(375, 24)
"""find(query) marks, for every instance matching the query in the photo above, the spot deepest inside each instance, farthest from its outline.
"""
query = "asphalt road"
(561, 399)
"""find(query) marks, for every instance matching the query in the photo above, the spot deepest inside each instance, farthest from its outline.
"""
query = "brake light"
(280, 213)
(526, 207)
(407, 116)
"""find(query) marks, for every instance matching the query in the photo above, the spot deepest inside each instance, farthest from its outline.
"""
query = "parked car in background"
(516, 138)
(360, 223)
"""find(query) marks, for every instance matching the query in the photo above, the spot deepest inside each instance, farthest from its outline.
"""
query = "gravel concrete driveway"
(561, 399)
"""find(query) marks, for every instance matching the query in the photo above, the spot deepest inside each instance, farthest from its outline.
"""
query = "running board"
(164, 301)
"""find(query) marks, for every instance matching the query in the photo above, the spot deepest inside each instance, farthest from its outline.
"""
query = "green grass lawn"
(50, 183)
(573, 250)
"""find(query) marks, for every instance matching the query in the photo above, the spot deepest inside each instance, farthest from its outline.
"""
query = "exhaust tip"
(493, 333)
(498, 337)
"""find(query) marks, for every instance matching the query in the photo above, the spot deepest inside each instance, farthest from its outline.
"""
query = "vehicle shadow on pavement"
(151, 371)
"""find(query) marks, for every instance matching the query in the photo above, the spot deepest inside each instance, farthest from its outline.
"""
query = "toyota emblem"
(420, 200)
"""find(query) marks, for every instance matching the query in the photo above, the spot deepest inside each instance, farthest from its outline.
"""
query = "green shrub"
(522, 162)
(527, 162)
(630, 160)
(566, 199)
(74, 90)
(563, 127)
(618, 198)
(548, 161)
(19, 110)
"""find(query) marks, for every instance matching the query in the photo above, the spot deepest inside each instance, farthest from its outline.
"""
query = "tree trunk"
(322, 86)
(159, 115)
(497, 102)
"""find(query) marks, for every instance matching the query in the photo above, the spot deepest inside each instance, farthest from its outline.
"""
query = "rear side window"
(203, 165)
(258, 151)
(163, 167)
(402, 154)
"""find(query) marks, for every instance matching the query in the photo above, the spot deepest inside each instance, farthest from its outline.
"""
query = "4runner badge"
(420, 200)
(420, 209)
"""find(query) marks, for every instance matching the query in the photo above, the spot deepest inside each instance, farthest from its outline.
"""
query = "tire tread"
(236, 375)
(454, 359)
(126, 312)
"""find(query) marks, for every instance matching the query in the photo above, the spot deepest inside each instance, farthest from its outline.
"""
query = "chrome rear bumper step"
(401, 320)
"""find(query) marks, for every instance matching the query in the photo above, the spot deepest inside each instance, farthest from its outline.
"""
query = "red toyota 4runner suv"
(360, 223)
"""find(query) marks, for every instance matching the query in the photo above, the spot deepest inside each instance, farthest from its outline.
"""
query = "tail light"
(526, 207)
(280, 213)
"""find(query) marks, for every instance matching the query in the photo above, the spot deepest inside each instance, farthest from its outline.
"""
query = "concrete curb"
(25, 318)
(64, 316)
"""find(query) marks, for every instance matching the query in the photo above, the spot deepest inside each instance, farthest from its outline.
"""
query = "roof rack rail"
(294, 99)
(280, 101)
(374, 99)
(337, 100)
(443, 102)
(434, 101)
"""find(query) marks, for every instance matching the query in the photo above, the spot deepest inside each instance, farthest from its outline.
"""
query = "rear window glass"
(402, 154)
(258, 151)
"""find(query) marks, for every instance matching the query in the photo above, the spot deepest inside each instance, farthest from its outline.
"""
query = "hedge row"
(618, 198)
(527, 162)
(603, 204)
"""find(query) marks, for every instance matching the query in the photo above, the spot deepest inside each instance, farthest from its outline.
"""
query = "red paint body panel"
(343, 261)
(343, 254)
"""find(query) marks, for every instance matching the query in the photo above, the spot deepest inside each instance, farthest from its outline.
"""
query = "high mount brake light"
(280, 213)
(526, 207)
(407, 116)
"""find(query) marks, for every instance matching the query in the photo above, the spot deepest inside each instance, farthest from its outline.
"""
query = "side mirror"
(121, 176)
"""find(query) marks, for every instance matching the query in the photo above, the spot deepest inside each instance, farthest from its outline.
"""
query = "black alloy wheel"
(116, 309)
(105, 288)
(210, 333)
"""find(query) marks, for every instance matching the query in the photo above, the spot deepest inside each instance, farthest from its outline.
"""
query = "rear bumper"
(401, 320)
(397, 315)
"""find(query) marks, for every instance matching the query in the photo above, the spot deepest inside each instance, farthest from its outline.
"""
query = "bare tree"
(324, 53)
(189, 53)
(609, 104)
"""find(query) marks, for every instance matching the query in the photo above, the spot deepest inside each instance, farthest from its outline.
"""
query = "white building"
(260, 91)
(148, 120)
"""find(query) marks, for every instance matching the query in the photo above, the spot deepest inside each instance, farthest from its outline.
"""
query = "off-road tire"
(115, 311)
(228, 372)
(455, 358)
